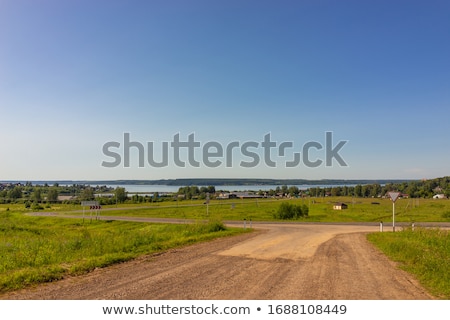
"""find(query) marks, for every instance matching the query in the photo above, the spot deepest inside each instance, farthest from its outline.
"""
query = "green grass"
(42, 249)
(424, 253)
(320, 209)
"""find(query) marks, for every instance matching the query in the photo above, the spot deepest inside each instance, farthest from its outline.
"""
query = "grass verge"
(43, 249)
(425, 253)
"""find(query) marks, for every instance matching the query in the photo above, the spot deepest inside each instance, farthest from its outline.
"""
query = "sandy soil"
(278, 261)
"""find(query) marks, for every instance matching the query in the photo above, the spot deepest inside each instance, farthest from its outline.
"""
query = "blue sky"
(77, 74)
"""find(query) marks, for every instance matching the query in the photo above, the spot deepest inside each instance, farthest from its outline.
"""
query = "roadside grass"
(43, 249)
(425, 253)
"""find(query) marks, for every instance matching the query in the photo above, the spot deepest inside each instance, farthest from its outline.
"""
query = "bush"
(36, 206)
(288, 211)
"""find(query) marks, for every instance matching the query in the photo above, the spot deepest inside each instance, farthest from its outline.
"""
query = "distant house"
(340, 206)
(226, 195)
(439, 196)
(235, 195)
(66, 198)
(247, 195)
(401, 195)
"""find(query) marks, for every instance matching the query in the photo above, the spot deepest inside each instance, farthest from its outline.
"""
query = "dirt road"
(279, 261)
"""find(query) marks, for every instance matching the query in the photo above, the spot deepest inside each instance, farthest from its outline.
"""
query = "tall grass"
(40, 249)
(319, 210)
(423, 252)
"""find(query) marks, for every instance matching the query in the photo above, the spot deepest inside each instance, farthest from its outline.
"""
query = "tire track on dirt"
(277, 262)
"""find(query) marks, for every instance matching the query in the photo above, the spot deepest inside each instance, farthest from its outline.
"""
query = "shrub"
(36, 206)
(216, 226)
(288, 211)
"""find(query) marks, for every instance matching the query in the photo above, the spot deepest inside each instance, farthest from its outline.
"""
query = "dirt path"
(276, 262)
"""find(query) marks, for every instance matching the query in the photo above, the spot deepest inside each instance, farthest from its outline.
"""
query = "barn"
(340, 206)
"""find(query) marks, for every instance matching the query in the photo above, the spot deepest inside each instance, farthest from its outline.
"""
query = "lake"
(132, 188)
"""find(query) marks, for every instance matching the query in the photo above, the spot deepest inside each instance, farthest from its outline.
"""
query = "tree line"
(44, 193)
(195, 192)
(414, 189)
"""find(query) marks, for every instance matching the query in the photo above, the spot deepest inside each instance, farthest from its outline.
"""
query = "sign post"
(394, 196)
(207, 204)
(93, 205)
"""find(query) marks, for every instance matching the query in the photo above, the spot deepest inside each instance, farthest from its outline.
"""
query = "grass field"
(42, 249)
(424, 253)
(320, 209)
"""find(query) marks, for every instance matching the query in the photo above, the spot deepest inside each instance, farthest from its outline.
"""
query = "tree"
(358, 190)
(293, 191)
(87, 194)
(15, 193)
(336, 191)
(37, 196)
(120, 194)
(194, 190)
(376, 190)
(345, 191)
(52, 195)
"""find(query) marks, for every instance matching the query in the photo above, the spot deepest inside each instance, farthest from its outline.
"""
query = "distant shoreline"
(217, 182)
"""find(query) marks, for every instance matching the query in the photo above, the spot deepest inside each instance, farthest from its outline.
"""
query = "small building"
(226, 195)
(340, 206)
(247, 195)
(66, 198)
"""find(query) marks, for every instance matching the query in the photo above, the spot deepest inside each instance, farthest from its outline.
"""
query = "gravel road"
(277, 261)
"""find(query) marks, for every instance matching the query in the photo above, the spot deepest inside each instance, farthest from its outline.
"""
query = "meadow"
(320, 209)
(43, 249)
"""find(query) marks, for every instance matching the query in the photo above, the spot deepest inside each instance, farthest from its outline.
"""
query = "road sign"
(89, 203)
(93, 205)
(394, 196)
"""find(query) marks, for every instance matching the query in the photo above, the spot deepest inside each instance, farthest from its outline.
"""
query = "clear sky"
(75, 75)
